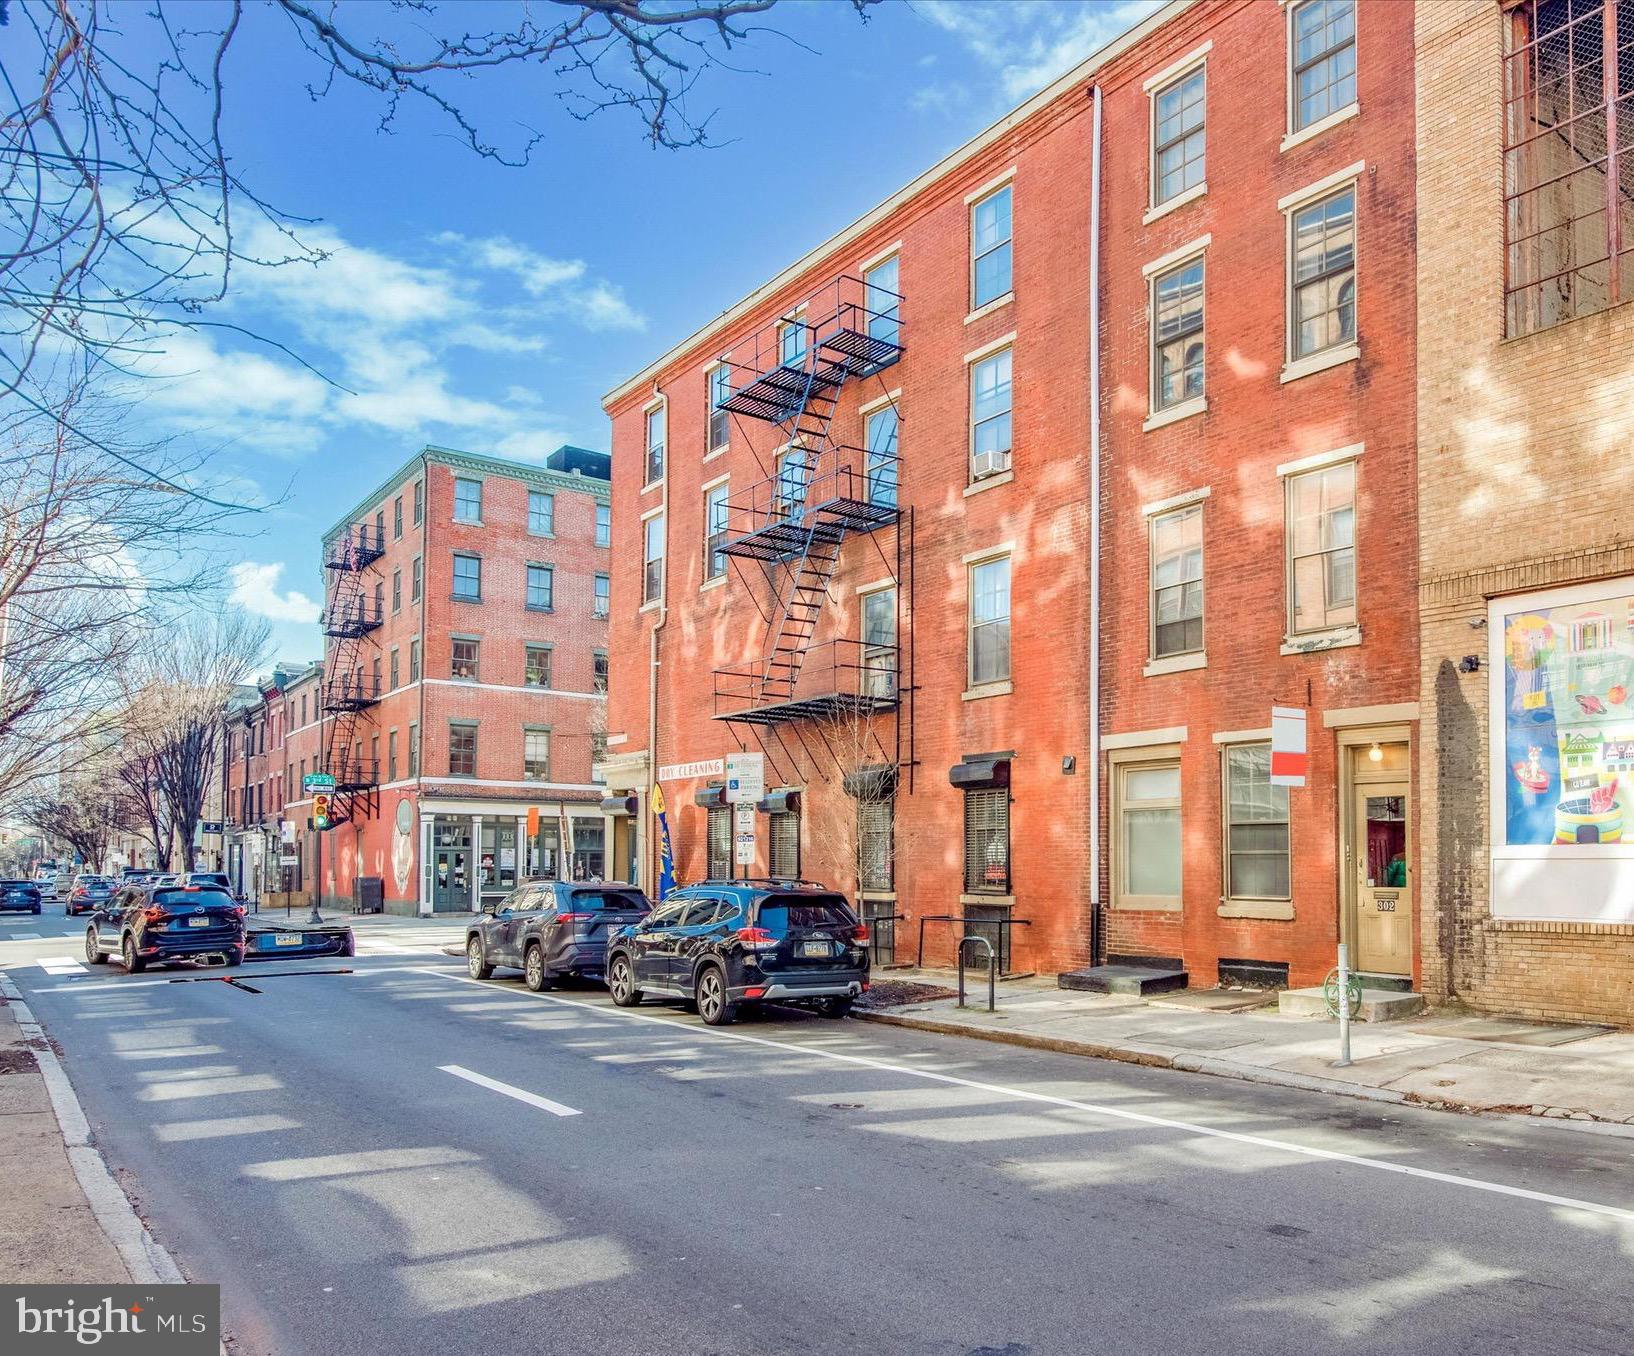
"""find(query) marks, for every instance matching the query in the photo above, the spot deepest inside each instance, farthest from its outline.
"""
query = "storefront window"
(1568, 721)
(589, 853)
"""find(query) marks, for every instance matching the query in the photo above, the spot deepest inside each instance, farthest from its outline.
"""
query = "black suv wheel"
(476, 964)
(621, 983)
(713, 1005)
(93, 952)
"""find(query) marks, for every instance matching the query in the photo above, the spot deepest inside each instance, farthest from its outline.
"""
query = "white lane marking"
(521, 1094)
(61, 965)
(24, 937)
(1048, 1099)
(246, 973)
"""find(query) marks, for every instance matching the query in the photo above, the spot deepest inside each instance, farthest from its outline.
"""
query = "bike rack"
(1005, 926)
(992, 970)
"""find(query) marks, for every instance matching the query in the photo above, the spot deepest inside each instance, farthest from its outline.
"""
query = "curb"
(1246, 1073)
(144, 1257)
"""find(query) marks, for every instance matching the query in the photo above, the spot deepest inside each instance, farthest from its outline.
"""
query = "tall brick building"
(464, 679)
(1525, 258)
(859, 515)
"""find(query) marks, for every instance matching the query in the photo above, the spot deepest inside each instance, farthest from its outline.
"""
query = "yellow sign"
(1533, 700)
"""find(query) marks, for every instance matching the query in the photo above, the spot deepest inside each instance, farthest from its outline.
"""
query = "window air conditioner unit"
(990, 464)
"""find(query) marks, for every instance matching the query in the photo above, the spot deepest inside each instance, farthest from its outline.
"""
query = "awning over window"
(618, 805)
(871, 783)
(980, 774)
(711, 797)
(780, 803)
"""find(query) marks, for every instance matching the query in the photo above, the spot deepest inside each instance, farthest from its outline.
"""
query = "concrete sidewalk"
(1431, 1061)
(48, 1230)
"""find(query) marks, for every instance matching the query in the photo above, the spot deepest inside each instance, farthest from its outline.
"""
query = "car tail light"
(754, 993)
(859, 934)
(756, 939)
(239, 910)
(154, 914)
(574, 917)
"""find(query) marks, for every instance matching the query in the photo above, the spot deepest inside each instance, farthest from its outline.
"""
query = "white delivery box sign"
(745, 778)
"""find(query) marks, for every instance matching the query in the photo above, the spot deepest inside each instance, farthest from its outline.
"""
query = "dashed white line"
(521, 1094)
(1071, 1104)
(61, 965)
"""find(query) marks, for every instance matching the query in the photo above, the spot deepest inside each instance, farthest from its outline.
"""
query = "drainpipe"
(424, 904)
(654, 840)
(1096, 938)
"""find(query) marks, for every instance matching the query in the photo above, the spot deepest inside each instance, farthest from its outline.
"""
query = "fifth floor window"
(990, 271)
(656, 423)
(1324, 59)
(467, 500)
(1177, 137)
(1324, 245)
(1568, 195)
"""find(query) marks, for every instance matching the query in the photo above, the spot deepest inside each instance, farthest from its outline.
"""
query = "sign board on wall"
(743, 833)
(745, 778)
(1288, 749)
(682, 772)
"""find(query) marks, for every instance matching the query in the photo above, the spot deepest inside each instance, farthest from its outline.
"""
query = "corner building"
(1526, 266)
(464, 682)
(858, 516)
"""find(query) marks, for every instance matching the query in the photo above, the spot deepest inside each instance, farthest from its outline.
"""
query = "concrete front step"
(1378, 1005)
(1141, 980)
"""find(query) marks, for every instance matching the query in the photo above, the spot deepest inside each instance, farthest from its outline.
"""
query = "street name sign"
(317, 781)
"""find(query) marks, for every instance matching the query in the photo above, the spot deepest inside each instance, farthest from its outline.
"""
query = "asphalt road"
(402, 1160)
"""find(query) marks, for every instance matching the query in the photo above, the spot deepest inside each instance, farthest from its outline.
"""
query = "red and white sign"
(1288, 755)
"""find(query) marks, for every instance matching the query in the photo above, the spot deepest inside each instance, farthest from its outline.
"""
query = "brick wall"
(1524, 482)
(1255, 422)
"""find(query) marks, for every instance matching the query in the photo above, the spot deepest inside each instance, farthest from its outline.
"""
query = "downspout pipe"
(1097, 939)
(654, 841)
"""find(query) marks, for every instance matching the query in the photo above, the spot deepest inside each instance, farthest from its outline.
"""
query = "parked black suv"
(552, 928)
(722, 943)
(152, 924)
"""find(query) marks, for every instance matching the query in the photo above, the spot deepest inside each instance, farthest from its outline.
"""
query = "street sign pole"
(1343, 1062)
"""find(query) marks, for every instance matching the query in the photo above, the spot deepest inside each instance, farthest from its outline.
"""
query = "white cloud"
(255, 589)
(1031, 42)
(530, 444)
(538, 273)
(562, 287)
(602, 307)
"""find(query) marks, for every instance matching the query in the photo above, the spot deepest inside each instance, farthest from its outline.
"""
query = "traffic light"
(320, 809)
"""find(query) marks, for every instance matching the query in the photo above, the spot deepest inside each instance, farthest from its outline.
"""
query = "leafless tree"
(85, 811)
(90, 549)
(176, 714)
(138, 776)
(119, 197)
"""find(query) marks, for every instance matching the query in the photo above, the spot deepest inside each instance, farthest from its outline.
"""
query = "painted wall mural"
(1569, 723)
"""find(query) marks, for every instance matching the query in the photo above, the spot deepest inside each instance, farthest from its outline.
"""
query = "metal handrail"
(992, 971)
(838, 475)
(841, 667)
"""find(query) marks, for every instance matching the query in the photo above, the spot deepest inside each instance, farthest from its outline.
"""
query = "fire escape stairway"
(797, 621)
(348, 619)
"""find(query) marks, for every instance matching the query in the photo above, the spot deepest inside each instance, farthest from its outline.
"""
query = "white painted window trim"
(708, 485)
(1142, 739)
(653, 512)
(874, 586)
(997, 304)
(1322, 187)
(1175, 413)
(988, 350)
(877, 404)
(1319, 642)
(882, 256)
(1175, 69)
(1320, 361)
(1317, 460)
(1176, 501)
(468, 685)
(1318, 127)
(991, 187)
(1007, 548)
(1165, 262)
(1241, 736)
(1175, 663)
(1179, 200)
(991, 482)
(1291, 138)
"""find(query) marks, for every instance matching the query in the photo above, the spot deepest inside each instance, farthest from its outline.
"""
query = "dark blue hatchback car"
(723, 943)
(23, 895)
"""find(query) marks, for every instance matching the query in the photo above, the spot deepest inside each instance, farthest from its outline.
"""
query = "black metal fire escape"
(349, 621)
(795, 523)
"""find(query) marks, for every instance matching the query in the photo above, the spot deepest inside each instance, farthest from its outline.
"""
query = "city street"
(402, 1159)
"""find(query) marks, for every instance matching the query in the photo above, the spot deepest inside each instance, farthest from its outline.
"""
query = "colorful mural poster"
(1569, 723)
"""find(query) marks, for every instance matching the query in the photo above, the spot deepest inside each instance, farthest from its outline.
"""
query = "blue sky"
(488, 308)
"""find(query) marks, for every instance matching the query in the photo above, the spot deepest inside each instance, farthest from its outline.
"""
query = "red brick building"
(858, 514)
(464, 679)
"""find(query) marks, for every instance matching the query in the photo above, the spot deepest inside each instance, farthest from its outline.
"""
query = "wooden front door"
(1384, 910)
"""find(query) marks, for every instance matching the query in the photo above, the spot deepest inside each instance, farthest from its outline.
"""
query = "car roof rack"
(783, 881)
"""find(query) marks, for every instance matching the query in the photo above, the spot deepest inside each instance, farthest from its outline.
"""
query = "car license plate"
(816, 949)
(198, 922)
(287, 939)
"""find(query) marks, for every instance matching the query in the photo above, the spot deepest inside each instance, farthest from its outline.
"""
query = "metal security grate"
(987, 841)
(720, 843)
(1568, 160)
(785, 844)
(874, 858)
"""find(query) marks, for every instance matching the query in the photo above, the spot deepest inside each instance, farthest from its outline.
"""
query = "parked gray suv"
(551, 928)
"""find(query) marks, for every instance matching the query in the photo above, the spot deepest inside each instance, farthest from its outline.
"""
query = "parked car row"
(720, 944)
